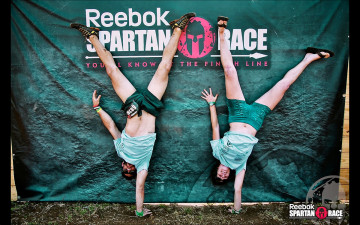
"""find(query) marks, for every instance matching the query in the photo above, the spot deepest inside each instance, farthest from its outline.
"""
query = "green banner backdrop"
(62, 151)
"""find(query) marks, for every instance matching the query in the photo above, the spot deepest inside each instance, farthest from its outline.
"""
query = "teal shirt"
(136, 150)
(234, 149)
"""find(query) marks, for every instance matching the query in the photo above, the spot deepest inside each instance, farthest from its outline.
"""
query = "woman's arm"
(140, 196)
(211, 100)
(105, 118)
(239, 179)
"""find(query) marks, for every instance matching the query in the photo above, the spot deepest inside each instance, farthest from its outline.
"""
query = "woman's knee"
(230, 71)
(166, 65)
(283, 85)
(111, 70)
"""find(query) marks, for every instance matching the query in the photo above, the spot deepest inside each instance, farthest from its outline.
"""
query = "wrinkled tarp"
(62, 151)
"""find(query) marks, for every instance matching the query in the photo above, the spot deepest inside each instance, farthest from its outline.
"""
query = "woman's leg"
(159, 82)
(121, 84)
(232, 85)
(275, 94)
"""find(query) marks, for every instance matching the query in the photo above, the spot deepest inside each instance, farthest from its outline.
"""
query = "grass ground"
(115, 213)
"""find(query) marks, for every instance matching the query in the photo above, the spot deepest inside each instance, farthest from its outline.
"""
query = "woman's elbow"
(216, 127)
(140, 188)
(238, 189)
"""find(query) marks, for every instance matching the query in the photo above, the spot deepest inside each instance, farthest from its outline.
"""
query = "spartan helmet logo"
(197, 39)
(321, 212)
(195, 36)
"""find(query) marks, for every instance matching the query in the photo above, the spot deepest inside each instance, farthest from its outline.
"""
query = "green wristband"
(236, 211)
(211, 103)
(139, 214)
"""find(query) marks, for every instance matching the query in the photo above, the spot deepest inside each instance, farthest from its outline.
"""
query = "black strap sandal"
(181, 23)
(318, 51)
(86, 31)
(223, 18)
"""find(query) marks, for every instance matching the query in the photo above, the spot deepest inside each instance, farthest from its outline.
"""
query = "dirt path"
(114, 213)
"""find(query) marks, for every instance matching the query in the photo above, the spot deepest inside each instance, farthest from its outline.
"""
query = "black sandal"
(86, 31)
(318, 51)
(224, 18)
(181, 23)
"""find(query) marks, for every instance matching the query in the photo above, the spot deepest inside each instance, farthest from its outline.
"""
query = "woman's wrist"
(139, 214)
(211, 103)
(97, 108)
(234, 211)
